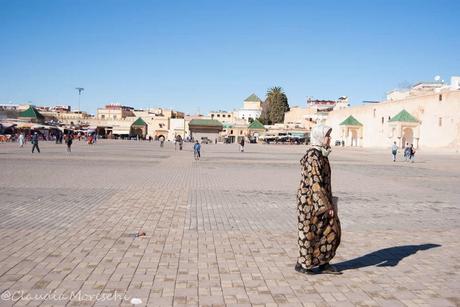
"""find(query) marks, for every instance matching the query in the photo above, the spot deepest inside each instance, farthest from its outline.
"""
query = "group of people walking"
(35, 138)
(409, 152)
(33, 141)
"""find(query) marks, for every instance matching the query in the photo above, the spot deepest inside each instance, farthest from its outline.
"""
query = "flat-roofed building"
(222, 116)
(114, 111)
(428, 116)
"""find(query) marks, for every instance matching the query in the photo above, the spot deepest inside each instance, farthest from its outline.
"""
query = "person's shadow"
(383, 257)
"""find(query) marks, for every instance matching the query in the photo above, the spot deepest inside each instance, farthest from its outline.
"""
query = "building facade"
(427, 118)
(252, 108)
(222, 116)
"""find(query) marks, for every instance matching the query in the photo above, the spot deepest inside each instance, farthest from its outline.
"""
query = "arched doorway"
(408, 137)
(354, 137)
(138, 132)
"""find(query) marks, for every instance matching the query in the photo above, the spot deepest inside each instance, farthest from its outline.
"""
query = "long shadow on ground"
(383, 257)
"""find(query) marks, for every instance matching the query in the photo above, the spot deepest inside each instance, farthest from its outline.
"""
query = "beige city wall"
(427, 109)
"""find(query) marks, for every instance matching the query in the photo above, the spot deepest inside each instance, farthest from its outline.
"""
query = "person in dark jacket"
(35, 142)
(69, 141)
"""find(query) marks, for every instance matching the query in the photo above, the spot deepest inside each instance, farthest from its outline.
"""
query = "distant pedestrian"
(162, 141)
(35, 142)
(197, 150)
(69, 141)
(21, 140)
(343, 143)
(242, 144)
(406, 152)
(394, 151)
(181, 142)
(412, 153)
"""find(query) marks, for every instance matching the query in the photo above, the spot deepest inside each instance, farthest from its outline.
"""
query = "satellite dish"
(437, 78)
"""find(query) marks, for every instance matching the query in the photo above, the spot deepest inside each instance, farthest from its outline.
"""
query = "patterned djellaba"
(319, 234)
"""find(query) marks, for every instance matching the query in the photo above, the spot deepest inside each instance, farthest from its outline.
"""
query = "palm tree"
(275, 91)
(278, 104)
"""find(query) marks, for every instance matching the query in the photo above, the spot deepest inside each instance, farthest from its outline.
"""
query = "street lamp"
(79, 89)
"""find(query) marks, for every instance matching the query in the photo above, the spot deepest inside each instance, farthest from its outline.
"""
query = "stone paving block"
(222, 230)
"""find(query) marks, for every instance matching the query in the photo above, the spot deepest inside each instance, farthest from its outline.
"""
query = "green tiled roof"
(226, 125)
(139, 122)
(256, 125)
(350, 121)
(404, 116)
(205, 122)
(253, 98)
(31, 112)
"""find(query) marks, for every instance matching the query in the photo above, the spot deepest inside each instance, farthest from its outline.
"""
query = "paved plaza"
(222, 230)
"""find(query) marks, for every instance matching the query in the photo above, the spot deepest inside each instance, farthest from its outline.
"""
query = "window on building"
(231, 131)
(161, 125)
(375, 111)
(102, 116)
(389, 118)
(218, 115)
(440, 97)
(241, 132)
(440, 122)
(114, 117)
(229, 115)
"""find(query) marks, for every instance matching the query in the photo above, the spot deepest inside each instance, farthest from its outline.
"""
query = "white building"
(426, 115)
(222, 116)
(320, 109)
(252, 108)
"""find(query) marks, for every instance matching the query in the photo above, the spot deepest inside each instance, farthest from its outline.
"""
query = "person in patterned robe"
(318, 224)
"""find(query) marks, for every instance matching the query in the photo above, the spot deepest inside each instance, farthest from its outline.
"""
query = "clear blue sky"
(213, 54)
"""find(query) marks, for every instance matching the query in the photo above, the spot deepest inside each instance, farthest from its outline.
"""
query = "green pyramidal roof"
(227, 125)
(31, 112)
(404, 116)
(350, 121)
(205, 122)
(256, 125)
(139, 122)
(253, 98)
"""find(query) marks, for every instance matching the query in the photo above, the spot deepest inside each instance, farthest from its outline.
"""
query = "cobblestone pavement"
(220, 231)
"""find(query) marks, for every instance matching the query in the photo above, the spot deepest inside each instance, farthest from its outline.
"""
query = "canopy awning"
(8, 125)
(120, 131)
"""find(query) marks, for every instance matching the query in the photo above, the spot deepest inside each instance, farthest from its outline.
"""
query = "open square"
(222, 230)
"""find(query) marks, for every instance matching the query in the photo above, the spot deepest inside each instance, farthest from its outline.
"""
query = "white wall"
(427, 109)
